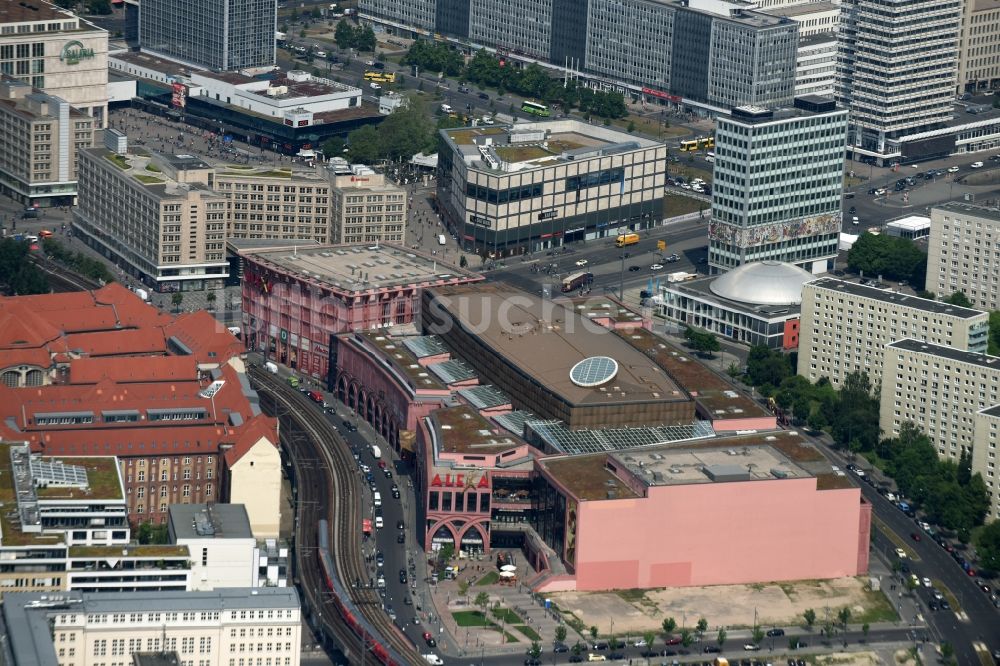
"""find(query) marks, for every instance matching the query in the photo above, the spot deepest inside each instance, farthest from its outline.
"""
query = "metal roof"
(425, 345)
(556, 435)
(485, 397)
(514, 421)
(455, 370)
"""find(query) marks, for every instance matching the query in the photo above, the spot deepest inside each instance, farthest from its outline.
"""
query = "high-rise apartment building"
(778, 183)
(979, 47)
(714, 53)
(156, 217)
(950, 394)
(218, 628)
(963, 253)
(368, 209)
(41, 137)
(54, 50)
(214, 34)
(845, 326)
(896, 70)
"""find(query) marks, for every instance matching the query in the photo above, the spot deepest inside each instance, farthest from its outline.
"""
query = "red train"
(357, 622)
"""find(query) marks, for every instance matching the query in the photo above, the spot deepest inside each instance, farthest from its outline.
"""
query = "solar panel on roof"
(58, 474)
(594, 371)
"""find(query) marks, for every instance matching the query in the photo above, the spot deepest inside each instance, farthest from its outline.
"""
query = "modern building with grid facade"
(896, 70)
(979, 55)
(712, 53)
(155, 216)
(367, 209)
(53, 49)
(846, 325)
(222, 35)
(219, 628)
(42, 137)
(963, 253)
(511, 189)
(276, 204)
(778, 184)
(950, 394)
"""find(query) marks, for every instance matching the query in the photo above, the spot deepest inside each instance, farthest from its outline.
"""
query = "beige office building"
(156, 217)
(979, 47)
(40, 137)
(963, 253)
(368, 209)
(276, 204)
(845, 326)
(53, 49)
(228, 627)
(952, 395)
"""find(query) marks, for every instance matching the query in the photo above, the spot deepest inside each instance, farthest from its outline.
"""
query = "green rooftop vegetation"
(148, 180)
(152, 167)
(534, 151)
(118, 160)
(133, 551)
(273, 173)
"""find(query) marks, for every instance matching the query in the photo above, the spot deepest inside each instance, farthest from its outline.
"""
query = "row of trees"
(77, 261)
(405, 133)
(491, 71)
(889, 256)
(17, 273)
(701, 340)
(360, 37)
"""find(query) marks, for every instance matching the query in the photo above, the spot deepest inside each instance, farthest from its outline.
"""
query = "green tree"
(702, 627)
(810, 617)
(210, 299)
(593, 632)
(757, 636)
(631, 127)
(988, 545)
(865, 628)
(334, 146)
(364, 39)
(844, 615)
(701, 341)
(463, 262)
(177, 298)
(560, 633)
(343, 34)
(686, 637)
(947, 652)
(891, 257)
(993, 348)
(102, 7)
(767, 366)
(669, 625)
(960, 299)
(649, 638)
(482, 600)
(720, 638)
(535, 650)
(577, 648)
(365, 145)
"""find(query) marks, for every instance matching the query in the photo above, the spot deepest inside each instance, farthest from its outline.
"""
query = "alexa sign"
(74, 52)
(460, 481)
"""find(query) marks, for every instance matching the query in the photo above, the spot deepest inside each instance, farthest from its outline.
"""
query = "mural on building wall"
(722, 232)
(571, 532)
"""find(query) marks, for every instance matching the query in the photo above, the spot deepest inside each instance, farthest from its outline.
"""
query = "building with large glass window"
(512, 189)
(778, 183)
(214, 34)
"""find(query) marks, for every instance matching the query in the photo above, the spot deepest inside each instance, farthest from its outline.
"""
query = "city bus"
(576, 280)
(535, 108)
(380, 77)
(688, 146)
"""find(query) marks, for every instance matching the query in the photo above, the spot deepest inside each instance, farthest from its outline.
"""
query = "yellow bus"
(688, 146)
(380, 77)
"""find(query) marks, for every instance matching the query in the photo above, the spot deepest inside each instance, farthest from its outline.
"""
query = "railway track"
(328, 486)
(61, 279)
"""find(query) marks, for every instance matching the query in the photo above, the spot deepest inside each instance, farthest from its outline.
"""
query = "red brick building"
(103, 373)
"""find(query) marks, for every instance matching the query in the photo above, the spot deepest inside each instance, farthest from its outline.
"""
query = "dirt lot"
(732, 606)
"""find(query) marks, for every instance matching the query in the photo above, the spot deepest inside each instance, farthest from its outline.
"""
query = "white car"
(320, 54)
(881, 192)
(900, 553)
(976, 165)
(953, 169)
(750, 647)
(855, 220)
(375, 86)
(639, 643)
(433, 659)
(927, 582)
(581, 262)
(370, 63)
(656, 267)
(686, 186)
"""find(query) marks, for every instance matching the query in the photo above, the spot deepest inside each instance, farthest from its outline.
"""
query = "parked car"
(953, 169)
(656, 267)
(775, 632)
(750, 647)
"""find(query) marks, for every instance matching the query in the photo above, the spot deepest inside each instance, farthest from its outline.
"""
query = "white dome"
(763, 283)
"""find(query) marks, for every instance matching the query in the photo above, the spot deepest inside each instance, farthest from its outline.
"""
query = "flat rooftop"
(981, 360)
(804, 106)
(533, 145)
(397, 352)
(462, 430)
(103, 480)
(545, 340)
(209, 521)
(603, 307)
(897, 298)
(718, 397)
(800, 10)
(360, 268)
(969, 209)
(767, 456)
(141, 166)
(153, 62)
(23, 11)
(911, 222)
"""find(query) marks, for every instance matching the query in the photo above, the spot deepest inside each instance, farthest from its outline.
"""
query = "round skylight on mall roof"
(594, 371)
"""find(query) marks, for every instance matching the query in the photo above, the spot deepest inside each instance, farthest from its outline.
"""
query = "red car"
(429, 639)
(915, 536)
(673, 640)
(381, 464)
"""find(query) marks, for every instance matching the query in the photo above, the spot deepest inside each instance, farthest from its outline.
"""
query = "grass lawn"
(676, 204)
(529, 632)
(877, 609)
(471, 619)
(489, 579)
(148, 180)
(507, 615)
(118, 161)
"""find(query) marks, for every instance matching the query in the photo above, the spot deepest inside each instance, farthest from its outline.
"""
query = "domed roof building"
(763, 283)
(754, 304)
